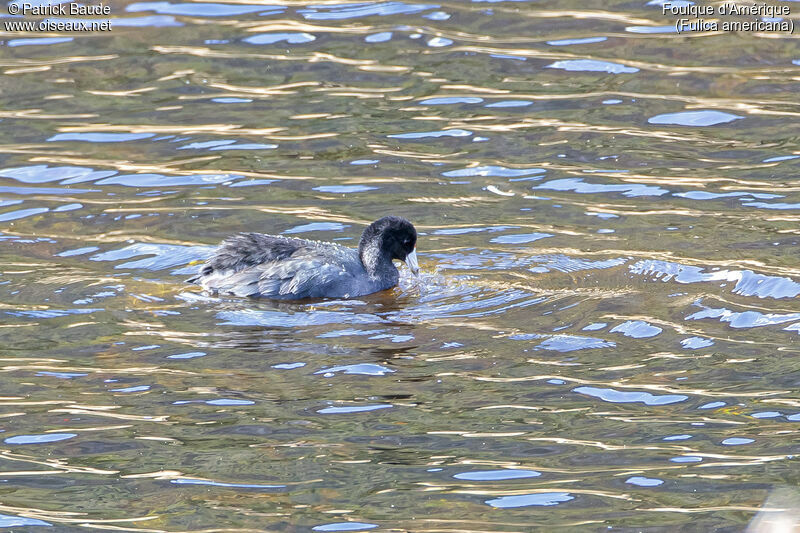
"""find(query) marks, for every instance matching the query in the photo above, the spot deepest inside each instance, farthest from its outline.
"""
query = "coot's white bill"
(411, 261)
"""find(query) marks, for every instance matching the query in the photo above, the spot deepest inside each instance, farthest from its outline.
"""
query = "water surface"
(604, 335)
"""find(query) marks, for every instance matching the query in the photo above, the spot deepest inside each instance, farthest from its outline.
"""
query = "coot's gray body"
(271, 266)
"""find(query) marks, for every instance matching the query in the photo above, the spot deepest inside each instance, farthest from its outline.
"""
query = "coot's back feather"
(250, 249)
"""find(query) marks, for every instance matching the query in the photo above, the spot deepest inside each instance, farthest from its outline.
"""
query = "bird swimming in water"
(270, 266)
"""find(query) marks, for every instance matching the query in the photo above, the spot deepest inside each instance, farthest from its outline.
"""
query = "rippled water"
(604, 334)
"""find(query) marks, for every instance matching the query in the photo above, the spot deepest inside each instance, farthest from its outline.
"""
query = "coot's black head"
(389, 237)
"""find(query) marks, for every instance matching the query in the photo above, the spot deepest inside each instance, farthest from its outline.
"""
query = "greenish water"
(604, 335)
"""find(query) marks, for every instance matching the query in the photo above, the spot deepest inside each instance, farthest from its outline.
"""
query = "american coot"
(269, 266)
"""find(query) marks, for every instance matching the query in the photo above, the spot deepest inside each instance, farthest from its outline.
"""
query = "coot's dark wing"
(293, 278)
